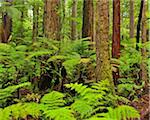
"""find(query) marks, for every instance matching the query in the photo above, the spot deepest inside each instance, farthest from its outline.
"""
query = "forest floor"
(142, 105)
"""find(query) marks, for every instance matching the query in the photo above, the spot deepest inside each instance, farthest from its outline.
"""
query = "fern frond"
(96, 118)
(82, 108)
(60, 114)
(4, 114)
(79, 88)
(39, 53)
(53, 100)
(20, 110)
(121, 112)
(57, 57)
(4, 93)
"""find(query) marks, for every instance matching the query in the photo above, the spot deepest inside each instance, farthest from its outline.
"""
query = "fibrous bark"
(116, 36)
(52, 19)
(73, 22)
(103, 67)
(35, 22)
(88, 19)
(144, 66)
(139, 25)
(131, 18)
(6, 25)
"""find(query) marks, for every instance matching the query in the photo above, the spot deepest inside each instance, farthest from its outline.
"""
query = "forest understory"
(74, 59)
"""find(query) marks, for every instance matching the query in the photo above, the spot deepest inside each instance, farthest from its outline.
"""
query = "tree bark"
(73, 22)
(52, 26)
(139, 25)
(88, 19)
(131, 18)
(63, 18)
(6, 25)
(116, 36)
(103, 66)
(144, 66)
(35, 22)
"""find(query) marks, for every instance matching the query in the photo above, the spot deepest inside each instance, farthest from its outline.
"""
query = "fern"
(60, 114)
(92, 100)
(39, 53)
(7, 92)
(52, 105)
(81, 107)
(89, 100)
(20, 110)
(53, 100)
(122, 112)
(89, 104)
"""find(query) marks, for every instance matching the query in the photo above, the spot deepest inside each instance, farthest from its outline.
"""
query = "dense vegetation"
(74, 59)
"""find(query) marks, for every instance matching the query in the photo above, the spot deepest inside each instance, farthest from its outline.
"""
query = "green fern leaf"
(60, 114)
(122, 112)
(82, 108)
(4, 93)
(53, 99)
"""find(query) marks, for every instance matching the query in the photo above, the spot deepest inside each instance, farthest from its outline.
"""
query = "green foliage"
(122, 112)
(22, 60)
(53, 100)
(20, 110)
(91, 101)
(7, 92)
(129, 66)
(53, 106)
(60, 114)
(89, 105)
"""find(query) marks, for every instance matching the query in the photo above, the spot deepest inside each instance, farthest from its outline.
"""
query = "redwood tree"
(144, 66)
(131, 18)
(35, 21)
(116, 36)
(103, 66)
(52, 23)
(139, 25)
(88, 19)
(6, 25)
(73, 22)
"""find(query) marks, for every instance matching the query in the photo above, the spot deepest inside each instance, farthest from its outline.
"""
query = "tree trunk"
(131, 18)
(103, 67)
(139, 25)
(144, 66)
(88, 19)
(73, 22)
(35, 22)
(6, 25)
(52, 19)
(63, 18)
(116, 36)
